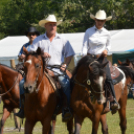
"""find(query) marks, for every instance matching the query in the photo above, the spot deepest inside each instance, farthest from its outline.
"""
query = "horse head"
(129, 63)
(33, 68)
(91, 75)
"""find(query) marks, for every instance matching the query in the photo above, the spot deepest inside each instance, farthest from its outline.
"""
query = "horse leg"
(16, 121)
(52, 129)
(95, 122)
(46, 125)
(103, 121)
(78, 124)
(122, 114)
(6, 114)
(70, 126)
(29, 126)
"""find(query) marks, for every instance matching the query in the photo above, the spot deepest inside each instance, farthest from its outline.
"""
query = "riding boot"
(21, 111)
(66, 112)
(114, 105)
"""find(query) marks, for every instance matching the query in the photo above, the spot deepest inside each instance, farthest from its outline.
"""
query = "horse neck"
(8, 77)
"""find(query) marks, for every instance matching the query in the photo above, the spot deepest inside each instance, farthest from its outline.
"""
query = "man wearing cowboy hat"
(31, 33)
(56, 48)
(97, 42)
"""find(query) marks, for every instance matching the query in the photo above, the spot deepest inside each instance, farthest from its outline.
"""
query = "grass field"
(113, 123)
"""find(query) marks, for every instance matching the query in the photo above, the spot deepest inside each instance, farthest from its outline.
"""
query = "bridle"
(87, 80)
(37, 78)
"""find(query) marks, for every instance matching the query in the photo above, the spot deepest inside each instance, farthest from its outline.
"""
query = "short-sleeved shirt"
(59, 48)
(96, 41)
(26, 46)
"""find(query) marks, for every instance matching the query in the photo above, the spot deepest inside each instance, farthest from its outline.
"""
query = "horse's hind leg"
(122, 114)
(29, 126)
(103, 121)
(6, 114)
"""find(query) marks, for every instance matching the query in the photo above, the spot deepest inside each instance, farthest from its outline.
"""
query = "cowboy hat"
(50, 18)
(32, 30)
(100, 15)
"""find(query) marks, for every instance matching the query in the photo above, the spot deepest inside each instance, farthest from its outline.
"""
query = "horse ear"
(39, 51)
(104, 64)
(119, 62)
(25, 50)
(127, 61)
(101, 59)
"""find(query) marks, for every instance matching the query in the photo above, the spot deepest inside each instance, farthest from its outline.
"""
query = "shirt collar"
(100, 30)
(56, 36)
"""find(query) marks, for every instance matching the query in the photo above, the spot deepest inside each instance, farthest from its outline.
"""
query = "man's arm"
(67, 61)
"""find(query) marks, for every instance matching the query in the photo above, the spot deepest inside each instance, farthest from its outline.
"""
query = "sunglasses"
(31, 34)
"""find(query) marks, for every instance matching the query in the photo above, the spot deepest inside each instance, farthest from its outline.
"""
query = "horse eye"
(37, 65)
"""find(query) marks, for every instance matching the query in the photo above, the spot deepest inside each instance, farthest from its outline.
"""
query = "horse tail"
(129, 73)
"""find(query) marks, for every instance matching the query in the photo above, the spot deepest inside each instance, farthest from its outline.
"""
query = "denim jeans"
(21, 87)
(65, 83)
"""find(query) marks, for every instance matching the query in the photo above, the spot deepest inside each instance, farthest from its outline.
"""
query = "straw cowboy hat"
(50, 18)
(100, 15)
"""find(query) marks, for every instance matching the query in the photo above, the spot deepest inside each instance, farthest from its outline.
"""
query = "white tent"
(121, 40)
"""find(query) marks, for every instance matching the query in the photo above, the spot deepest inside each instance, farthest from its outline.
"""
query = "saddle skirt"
(116, 75)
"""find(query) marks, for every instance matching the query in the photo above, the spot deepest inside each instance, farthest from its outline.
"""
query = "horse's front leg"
(46, 125)
(29, 126)
(103, 121)
(6, 114)
(95, 122)
(70, 126)
(78, 124)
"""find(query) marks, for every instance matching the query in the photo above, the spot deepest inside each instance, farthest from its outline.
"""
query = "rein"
(11, 87)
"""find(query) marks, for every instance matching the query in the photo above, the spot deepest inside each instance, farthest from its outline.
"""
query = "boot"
(21, 111)
(66, 114)
(114, 105)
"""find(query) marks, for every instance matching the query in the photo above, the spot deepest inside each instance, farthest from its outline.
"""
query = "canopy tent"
(121, 40)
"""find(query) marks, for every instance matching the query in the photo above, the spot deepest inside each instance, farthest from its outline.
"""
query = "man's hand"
(105, 53)
(22, 57)
(63, 67)
(46, 55)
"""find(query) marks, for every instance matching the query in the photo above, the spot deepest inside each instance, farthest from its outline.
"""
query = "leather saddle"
(116, 75)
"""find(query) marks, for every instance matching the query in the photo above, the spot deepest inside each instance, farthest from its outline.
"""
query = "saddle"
(116, 75)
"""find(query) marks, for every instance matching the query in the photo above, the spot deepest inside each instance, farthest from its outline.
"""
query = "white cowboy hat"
(50, 18)
(100, 15)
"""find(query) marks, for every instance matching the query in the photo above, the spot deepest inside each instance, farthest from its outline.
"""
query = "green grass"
(113, 123)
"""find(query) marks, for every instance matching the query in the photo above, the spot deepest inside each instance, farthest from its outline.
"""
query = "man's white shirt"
(59, 48)
(96, 41)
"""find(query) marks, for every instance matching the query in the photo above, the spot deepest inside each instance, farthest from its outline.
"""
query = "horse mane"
(129, 73)
(8, 67)
(85, 61)
(35, 54)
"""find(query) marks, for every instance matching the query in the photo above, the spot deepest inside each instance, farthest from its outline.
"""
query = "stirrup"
(66, 115)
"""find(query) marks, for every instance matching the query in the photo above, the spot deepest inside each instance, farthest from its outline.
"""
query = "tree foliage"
(17, 15)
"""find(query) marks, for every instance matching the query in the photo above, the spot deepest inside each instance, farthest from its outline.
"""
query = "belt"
(93, 55)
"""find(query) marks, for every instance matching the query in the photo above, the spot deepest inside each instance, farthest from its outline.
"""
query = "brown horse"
(40, 97)
(83, 106)
(89, 77)
(9, 82)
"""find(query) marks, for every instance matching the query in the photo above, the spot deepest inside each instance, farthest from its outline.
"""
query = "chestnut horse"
(9, 82)
(88, 78)
(40, 97)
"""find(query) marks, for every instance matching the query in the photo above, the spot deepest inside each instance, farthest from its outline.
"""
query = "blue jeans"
(65, 83)
(21, 87)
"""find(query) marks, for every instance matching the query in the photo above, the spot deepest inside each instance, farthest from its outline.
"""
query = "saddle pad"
(116, 75)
